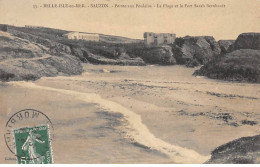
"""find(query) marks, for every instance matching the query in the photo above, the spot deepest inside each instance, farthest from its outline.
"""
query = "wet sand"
(151, 114)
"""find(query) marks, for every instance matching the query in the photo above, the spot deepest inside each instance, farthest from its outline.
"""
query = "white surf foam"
(136, 130)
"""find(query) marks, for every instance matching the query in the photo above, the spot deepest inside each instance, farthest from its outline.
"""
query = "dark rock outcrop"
(192, 63)
(161, 55)
(245, 150)
(225, 45)
(79, 53)
(21, 59)
(50, 45)
(3, 27)
(247, 41)
(195, 50)
(240, 65)
(122, 60)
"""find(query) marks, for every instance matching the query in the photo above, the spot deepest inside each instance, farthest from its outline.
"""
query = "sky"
(223, 23)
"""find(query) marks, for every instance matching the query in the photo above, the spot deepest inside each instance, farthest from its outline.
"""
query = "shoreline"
(175, 107)
(138, 131)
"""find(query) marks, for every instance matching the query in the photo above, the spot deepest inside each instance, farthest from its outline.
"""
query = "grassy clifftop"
(53, 34)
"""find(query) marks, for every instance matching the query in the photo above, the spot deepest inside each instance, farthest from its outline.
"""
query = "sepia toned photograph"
(130, 81)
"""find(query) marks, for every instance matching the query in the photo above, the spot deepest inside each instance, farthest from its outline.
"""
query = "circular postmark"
(28, 136)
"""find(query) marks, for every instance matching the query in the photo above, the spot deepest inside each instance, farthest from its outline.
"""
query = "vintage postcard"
(130, 81)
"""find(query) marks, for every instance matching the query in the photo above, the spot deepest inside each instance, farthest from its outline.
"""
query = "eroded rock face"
(49, 45)
(247, 41)
(225, 45)
(79, 53)
(195, 49)
(121, 60)
(162, 55)
(240, 65)
(21, 59)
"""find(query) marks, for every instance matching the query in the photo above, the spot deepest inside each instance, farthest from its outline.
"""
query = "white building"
(82, 36)
(151, 38)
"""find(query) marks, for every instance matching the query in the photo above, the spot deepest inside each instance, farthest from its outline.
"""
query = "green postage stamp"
(33, 145)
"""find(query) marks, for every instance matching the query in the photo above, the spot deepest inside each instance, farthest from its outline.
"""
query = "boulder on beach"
(240, 65)
(161, 55)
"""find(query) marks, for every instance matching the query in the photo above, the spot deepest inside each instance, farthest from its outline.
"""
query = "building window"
(165, 41)
(155, 41)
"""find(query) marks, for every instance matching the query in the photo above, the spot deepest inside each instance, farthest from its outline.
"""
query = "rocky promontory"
(247, 41)
(194, 51)
(28, 54)
(241, 63)
(21, 59)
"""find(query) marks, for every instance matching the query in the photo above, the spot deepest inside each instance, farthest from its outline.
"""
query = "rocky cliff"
(241, 64)
(161, 55)
(247, 41)
(194, 51)
(190, 51)
(225, 45)
(29, 58)
(225, 59)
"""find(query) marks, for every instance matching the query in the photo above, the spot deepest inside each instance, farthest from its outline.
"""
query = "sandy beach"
(130, 114)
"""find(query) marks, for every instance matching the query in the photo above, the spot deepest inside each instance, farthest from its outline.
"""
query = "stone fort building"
(151, 38)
